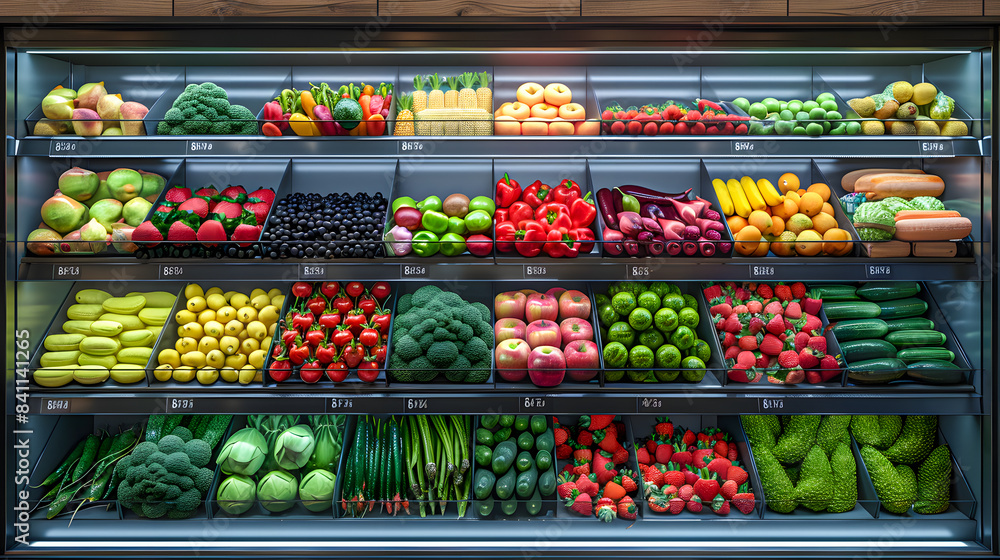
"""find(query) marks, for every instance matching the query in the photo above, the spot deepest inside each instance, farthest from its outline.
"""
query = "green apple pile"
(89, 111)
(804, 118)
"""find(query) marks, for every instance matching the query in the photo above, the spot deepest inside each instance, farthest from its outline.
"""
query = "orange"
(821, 189)
(827, 208)
(794, 197)
(788, 182)
(785, 246)
(762, 249)
(801, 192)
(837, 242)
(760, 220)
(777, 225)
(747, 240)
(808, 243)
(811, 204)
(736, 222)
(786, 209)
(823, 222)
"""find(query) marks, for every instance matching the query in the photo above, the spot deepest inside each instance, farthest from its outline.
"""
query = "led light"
(582, 51)
(472, 545)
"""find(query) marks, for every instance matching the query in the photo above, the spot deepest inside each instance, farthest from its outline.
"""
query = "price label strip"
(180, 404)
(412, 271)
(55, 406)
(168, 271)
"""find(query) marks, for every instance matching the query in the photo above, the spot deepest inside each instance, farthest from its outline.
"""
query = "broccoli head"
(441, 334)
(423, 370)
(426, 326)
(470, 315)
(189, 500)
(450, 299)
(222, 125)
(154, 510)
(174, 116)
(442, 354)
(476, 350)
(163, 128)
(425, 294)
(178, 462)
(178, 514)
(185, 483)
(407, 348)
(141, 452)
(398, 369)
(407, 320)
(183, 433)
(156, 457)
(462, 331)
(426, 341)
(462, 364)
(479, 373)
(484, 330)
(170, 444)
(125, 494)
(203, 480)
(404, 303)
(198, 451)
(137, 473)
(484, 312)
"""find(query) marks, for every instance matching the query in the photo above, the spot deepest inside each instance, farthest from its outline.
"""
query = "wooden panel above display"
(473, 8)
(991, 7)
(275, 8)
(896, 11)
(64, 8)
(722, 10)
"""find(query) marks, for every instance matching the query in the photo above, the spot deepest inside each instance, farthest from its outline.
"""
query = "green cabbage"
(243, 453)
(927, 203)
(236, 494)
(316, 490)
(896, 204)
(873, 234)
(294, 447)
(277, 491)
(874, 213)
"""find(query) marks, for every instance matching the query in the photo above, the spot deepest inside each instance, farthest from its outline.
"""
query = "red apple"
(546, 366)
(582, 360)
(509, 304)
(543, 333)
(509, 328)
(575, 328)
(574, 303)
(479, 245)
(541, 306)
(555, 292)
(512, 359)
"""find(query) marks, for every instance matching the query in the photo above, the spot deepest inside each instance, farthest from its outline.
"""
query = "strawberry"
(798, 290)
(765, 291)
(585, 438)
(583, 455)
(179, 231)
(607, 439)
(707, 485)
(788, 359)
(801, 341)
(670, 491)
(596, 422)
(774, 308)
(733, 324)
(728, 489)
(676, 506)
(604, 467)
(207, 192)
(812, 304)
(720, 505)
(793, 310)
(741, 294)
(746, 360)
(813, 376)
(734, 452)
(748, 342)
(658, 502)
(267, 195)
(642, 455)
(720, 307)
(259, 209)
(566, 486)
(776, 325)
(627, 508)
(664, 427)
(561, 435)
(742, 311)
(605, 510)
(712, 292)
(733, 352)
(756, 325)
(619, 456)
(178, 194)
(564, 451)
(587, 485)
(743, 500)
(663, 452)
(685, 492)
(147, 234)
(628, 481)
(817, 343)
(673, 475)
(727, 339)
(233, 191)
(582, 469)
(762, 361)
(694, 505)
(829, 363)
(197, 206)
(737, 474)
(690, 476)
(720, 466)
(651, 446)
(813, 325)
(210, 230)
(783, 292)
(808, 358)
(164, 208)
(652, 479)
(681, 455)
(246, 233)
(689, 438)
(754, 306)
(229, 209)
(721, 449)
(701, 457)
(580, 503)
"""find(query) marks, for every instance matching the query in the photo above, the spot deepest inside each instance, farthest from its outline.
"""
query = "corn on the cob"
(467, 95)
(484, 96)
(404, 118)
(469, 122)
(419, 95)
(451, 96)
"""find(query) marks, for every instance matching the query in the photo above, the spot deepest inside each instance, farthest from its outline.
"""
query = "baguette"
(884, 185)
(935, 249)
(849, 179)
(920, 214)
(933, 229)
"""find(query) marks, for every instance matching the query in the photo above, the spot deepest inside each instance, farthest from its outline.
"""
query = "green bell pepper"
(478, 221)
(457, 225)
(426, 243)
(452, 244)
(434, 221)
(403, 201)
(483, 203)
(430, 203)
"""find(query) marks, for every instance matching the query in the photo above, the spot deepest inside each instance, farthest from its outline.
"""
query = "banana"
(771, 195)
(753, 194)
(723, 195)
(740, 203)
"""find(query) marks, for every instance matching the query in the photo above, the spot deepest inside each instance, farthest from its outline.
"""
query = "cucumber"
(882, 370)
(868, 349)
(508, 507)
(485, 506)
(902, 308)
(838, 310)
(937, 372)
(484, 437)
(858, 329)
(884, 291)
(212, 430)
(547, 482)
(546, 441)
(505, 485)
(910, 324)
(522, 422)
(534, 504)
(503, 457)
(526, 441)
(524, 461)
(484, 456)
(506, 420)
(538, 424)
(489, 421)
(911, 355)
(543, 460)
(835, 292)
(483, 486)
(527, 482)
(908, 339)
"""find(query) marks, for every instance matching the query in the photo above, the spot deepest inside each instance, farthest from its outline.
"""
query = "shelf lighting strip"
(493, 51)
(506, 545)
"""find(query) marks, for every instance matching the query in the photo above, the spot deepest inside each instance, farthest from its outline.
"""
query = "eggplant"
(630, 224)
(606, 206)
(631, 247)
(650, 210)
(642, 194)
(613, 242)
(689, 212)
(656, 247)
(672, 229)
(649, 224)
(704, 224)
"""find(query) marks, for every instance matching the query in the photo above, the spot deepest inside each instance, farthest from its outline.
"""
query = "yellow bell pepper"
(303, 125)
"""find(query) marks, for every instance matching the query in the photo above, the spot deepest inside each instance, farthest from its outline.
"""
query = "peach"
(506, 125)
(572, 111)
(558, 94)
(587, 128)
(561, 127)
(518, 110)
(86, 122)
(544, 111)
(500, 109)
(534, 126)
(531, 93)
(132, 114)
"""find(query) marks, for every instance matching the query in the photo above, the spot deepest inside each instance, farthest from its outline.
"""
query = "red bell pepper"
(329, 289)
(585, 239)
(537, 194)
(380, 353)
(367, 304)
(355, 321)
(273, 112)
(368, 370)
(553, 216)
(582, 212)
(369, 336)
(530, 239)
(298, 353)
(281, 369)
(508, 191)
(501, 215)
(326, 354)
(520, 211)
(343, 304)
(288, 337)
(558, 243)
(302, 321)
(506, 231)
(329, 320)
(317, 304)
(302, 289)
(314, 336)
(342, 336)
(381, 319)
(354, 354)
(566, 192)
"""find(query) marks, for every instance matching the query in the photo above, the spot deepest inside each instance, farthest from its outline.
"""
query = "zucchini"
(526, 441)
(503, 457)
(858, 329)
(90, 449)
(485, 506)
(868, 349)
(154, 428)
(508, 507)
(910, 324)
(522, 422)
(908, 339)
(884, 291)
(882, 370)
(58, 474)
(902, 308)
(937, 372)
(835, 292)
(538, 424)
(527, 482)
(910, 355)
(505, 485)
(524, 461)
(483, 487)
(170, 422)
(838, 310)
(534, 504)
(212, 429)
(546, 441)
(547, 482)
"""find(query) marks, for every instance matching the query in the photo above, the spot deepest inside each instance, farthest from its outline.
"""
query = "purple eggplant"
(642, 194)
(673, 248)
(650, 210)
(613, 242)
(631, 247)
(630, 224)
(616, 197)
(651, 225)
(706, 247)
(606, 206)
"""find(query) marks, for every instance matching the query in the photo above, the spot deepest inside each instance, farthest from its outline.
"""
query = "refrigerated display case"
(49, 413)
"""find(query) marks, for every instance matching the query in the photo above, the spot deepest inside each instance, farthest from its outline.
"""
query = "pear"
(106, 212)
(64, 214)
(97, 234)
(152, 184)
(132, 114)
(108, 106)
(125, 184)
(71, 243)
(78, 183)
(90, 94)
(86, 122)
(43, 242)
(135, 211)
(63, 92)
(121, 238)
(56, 107)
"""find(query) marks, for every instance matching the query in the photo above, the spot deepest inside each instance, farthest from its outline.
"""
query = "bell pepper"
(585, 239)
(537, 194)
(375, 126)
(521, 211)
(302, 289)
(559, 243)
(506, 231)
(303, 125)
(553, 215)
(365, 101)
(508, 191)
(430, 203)
(457, 225)
(426, 243)
(566, 192)
(270, 129)
(452, 244)
(529, 240)
(582, 212)
(307, 103)
(272, 111)
(502, 215)
(434, 221)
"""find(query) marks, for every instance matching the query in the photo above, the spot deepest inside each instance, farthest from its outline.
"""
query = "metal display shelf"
(507, 146)
(661, 399)
(816, 269)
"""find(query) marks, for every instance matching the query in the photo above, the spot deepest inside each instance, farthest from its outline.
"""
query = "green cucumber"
(543, 460)
(884, 291)
(484, 437)
(508, 506)
(857, 329)
(527, 482)
(538, 424)
(489, 421)
(902, 308)
(503, 457)
(868, 349)
(547, 482)
(937, 372)
(909, 339)
(485, 506)
(881, 370)
(522, 422)
(910, 355)
(534, 504)
(505, 485)
(910, 324)
(483, 486)
(506, 420)
(526, 441)
(524, 461)
(213, 428)
(484, 456)
(835, 292)
(546, 441)
(837, 310)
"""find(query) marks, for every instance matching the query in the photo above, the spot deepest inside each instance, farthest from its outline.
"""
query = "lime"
(640, 357)
(742, 102)
(825, 96)
(829, 105)
(623, 303)
(666, 320)
(662, 288)
(816, 114)
(786, 115)
(809, 106)
(801, 131)
(690, 301)
(601, 299)
(784, 127)
(683, 337)
(701, 350)
(758, 110)
(694, 369)
(674, 301)
(833, 116)
(814, 129)
(802, 116)
(615, 354)
(782, 105)
(649, 300)
(756, 129)
(853, 127)
(772, 104)
(651, 338)
(640, 319)
(668, 356)
(688, 317)
(795, 106)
